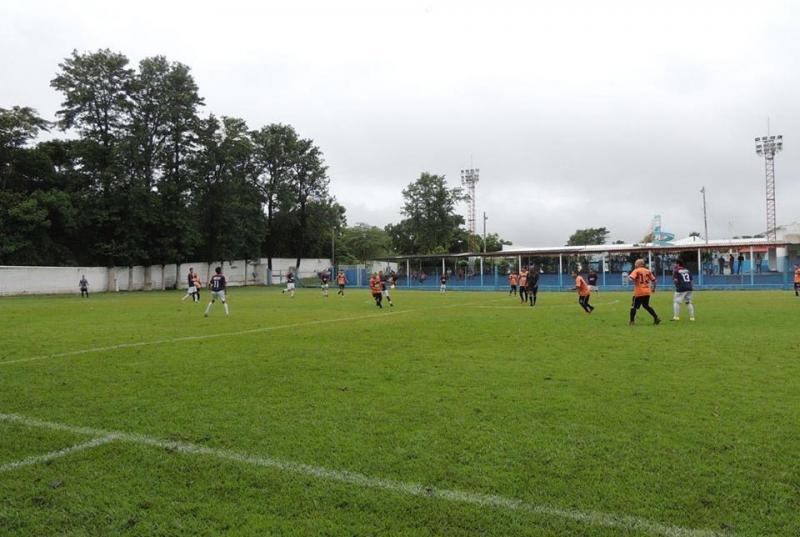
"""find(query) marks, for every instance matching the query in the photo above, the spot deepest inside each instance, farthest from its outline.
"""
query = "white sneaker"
(675, 319)
(691, 318)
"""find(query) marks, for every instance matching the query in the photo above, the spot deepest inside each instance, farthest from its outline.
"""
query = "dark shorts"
(639, 301)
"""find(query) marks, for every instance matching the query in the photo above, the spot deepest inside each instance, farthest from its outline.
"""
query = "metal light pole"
(485, 218)
(469, 179)
(767, 146)
(705, 214)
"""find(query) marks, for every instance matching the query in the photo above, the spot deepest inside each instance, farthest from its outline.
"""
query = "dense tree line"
(143, 178)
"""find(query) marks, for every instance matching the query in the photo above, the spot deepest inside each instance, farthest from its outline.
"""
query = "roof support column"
(699, 266)
(560, 271)
(752, 282)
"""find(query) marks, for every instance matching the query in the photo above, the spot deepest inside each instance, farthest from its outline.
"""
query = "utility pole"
(484, 231)
(705, 214)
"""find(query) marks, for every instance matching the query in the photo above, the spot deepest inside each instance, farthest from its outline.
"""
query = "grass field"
(463, 414)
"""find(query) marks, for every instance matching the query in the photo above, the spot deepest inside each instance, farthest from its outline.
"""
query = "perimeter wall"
(15, 280)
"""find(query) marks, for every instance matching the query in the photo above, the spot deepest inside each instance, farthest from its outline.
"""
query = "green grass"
(692, 425)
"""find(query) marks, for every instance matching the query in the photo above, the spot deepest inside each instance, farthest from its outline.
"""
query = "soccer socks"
(208, 308)
(676, 310)
(227, 311)
(690, 307)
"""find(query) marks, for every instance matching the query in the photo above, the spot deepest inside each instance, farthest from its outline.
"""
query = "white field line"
(79, 352)
(521, 306)
(36, 459)
(590, 518)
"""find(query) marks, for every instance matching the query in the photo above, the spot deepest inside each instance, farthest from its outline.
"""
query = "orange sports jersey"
(583, 288)
(641, 281)
(512, 279)
(375, 286)
(340, 278)
(523, 279)
(797, 276)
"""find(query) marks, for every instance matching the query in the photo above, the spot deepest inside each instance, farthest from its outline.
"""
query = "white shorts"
(218, 295)
(324, 286)
(593, 288)
(290, 286)
(191, 290)
(385, 292)
(683, 296)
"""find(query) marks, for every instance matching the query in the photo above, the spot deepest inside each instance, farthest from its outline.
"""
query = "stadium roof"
(689, 243)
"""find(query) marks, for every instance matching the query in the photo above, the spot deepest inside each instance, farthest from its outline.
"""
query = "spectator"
(741, 262)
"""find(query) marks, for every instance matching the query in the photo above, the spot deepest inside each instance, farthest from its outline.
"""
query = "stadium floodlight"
(767, 146)
(469, 178)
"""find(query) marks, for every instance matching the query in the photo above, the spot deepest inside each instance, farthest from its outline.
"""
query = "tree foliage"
(144, 178)
(431, 224)
(588, 236)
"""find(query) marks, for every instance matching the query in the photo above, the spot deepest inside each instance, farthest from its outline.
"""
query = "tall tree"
(274, 157)
(309, 185)
(97, 103)
(431, 223)
(227, 205)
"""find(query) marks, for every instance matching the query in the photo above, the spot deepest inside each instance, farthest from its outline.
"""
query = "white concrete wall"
(40, 280)
(54, 280)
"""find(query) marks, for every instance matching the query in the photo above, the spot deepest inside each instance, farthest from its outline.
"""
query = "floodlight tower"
(767, 146)
(469, 179)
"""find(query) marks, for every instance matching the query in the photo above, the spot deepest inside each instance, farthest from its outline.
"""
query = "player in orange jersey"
(523, 286)
(644, 285)
(512, 281)
(375, 289)
(584, 292)
(341, 280)
(797, 280)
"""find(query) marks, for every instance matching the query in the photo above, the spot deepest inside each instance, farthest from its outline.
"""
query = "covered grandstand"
(757, 264)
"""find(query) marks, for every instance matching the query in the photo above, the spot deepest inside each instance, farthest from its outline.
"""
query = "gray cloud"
(581, 114)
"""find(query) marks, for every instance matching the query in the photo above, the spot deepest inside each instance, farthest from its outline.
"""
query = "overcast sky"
(578, 114)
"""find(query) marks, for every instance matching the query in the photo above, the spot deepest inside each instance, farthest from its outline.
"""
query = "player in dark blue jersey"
(533, 284)
(289, 284)
(324, 278)
(386, 284)
(591, 279)
(682, 279)
(218, 286)
(84, 286)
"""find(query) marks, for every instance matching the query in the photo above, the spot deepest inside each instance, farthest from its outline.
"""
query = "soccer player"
(512, 281)
(591, 279)
(682, 279)
(523, 286)
(443, 283)
(393, 277)
(323, 278)
(533, 284)
(643, 279)
(197, 286)
(84, 286)
(584, 293)
(341, 280)
(796, 280)
(375, 289)
(386, 284)
(289, 284)
(190, 289)
(218, 286)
